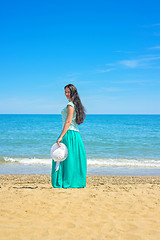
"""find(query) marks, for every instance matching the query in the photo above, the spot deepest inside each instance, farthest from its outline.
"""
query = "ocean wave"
(26, 160)
(90, 161)
(125, 162)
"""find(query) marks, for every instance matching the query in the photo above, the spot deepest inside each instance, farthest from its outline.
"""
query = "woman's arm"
(70, 111)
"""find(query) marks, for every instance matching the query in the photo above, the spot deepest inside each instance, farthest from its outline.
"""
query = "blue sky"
(109, 50)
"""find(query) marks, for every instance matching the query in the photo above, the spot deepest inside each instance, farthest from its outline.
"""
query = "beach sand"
(110, 207)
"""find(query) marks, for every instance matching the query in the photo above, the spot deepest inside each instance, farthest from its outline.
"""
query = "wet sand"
(110, 207)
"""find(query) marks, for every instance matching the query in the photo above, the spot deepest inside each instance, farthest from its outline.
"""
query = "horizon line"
(86, 114)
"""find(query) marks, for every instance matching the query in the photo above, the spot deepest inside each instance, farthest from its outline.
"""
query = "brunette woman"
(72, 171)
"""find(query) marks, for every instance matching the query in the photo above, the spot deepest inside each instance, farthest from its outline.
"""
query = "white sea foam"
(28, 160)
(125, 162)
(96, 162)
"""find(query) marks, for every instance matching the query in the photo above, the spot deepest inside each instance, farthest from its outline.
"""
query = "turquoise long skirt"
(73, 170)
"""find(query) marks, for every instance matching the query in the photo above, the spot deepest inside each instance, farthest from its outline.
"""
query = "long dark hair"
(79, 108)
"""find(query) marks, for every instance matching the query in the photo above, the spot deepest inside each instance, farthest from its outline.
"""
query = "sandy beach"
(110, 207)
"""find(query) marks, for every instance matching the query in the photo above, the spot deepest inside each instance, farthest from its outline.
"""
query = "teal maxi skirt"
(73, 170)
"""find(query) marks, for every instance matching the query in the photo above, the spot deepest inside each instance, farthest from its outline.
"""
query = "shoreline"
(109, 207)
(34, 169)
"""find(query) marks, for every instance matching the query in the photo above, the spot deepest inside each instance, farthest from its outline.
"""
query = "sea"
(116, 144)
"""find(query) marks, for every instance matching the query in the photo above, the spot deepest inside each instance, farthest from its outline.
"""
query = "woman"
(72, 171)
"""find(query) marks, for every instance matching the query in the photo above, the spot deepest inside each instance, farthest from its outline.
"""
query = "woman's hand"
(58, 141)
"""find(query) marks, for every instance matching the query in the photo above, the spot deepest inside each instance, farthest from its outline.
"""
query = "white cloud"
(129, 63)
(151, 25)
(105, 70)
(156, 67)
(121, 51)
(110, 64)
(150, 58)
(117, 51)
(155, 47)
(138, 62)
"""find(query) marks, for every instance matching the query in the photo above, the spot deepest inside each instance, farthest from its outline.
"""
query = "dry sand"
(110, 207)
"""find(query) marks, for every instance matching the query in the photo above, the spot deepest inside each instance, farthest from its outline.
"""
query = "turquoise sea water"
(123, 144)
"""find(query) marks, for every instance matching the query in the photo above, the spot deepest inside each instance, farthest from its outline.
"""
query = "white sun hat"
(59, 154)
